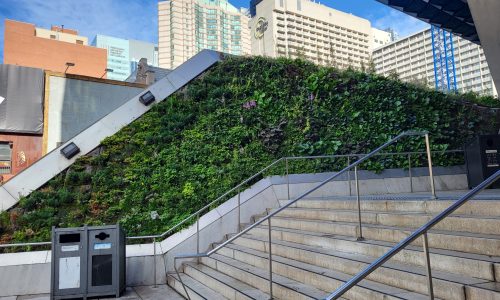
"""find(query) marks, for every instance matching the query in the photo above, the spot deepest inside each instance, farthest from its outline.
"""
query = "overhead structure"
(451, 15)
(444, 60)
(473, 20)
(61, 158)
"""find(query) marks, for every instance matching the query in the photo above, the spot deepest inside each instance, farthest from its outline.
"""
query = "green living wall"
(225, 126)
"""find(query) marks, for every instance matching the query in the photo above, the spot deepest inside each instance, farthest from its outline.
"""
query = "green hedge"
(227, 125)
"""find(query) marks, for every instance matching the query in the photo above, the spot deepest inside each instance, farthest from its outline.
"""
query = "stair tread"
(229, 281)
(465, 280)
(435, 231)
(481, 257)
(368, 284)
(277, 279)
(413, 213)
(197, 287)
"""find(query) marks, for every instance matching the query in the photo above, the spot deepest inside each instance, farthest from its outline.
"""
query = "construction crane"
(444, 60)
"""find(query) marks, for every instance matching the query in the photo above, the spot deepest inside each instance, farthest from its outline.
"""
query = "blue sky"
(137, 19)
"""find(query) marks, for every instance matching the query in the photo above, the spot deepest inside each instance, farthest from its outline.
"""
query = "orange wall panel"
(23, 48)
(26, 149)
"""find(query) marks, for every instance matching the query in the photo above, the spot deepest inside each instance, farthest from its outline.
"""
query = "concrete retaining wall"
(29, 272)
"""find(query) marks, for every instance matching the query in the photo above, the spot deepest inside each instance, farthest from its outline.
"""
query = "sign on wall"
(260, 28)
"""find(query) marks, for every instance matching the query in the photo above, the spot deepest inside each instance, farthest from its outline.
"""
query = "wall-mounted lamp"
(70, 150)
(107, 70)
(147, 98)
(69, 64)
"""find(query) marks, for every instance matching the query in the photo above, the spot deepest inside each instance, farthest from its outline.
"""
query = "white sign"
(101, 246)
(69, 248)
(1, 99)
(69, 273)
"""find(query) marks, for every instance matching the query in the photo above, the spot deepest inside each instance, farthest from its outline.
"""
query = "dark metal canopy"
(451, 15)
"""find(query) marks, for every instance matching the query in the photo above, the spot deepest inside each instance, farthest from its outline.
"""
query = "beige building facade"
(61, 34)
(303, 28)
(185, 27)
(412, 59)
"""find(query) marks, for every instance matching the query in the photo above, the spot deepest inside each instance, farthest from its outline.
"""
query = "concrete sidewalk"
(161, 292)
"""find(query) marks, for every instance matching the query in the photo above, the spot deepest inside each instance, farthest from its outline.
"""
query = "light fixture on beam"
(147, 98)
(70, 150)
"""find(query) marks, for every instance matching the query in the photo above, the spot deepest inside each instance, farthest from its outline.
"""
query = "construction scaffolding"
(444, 60)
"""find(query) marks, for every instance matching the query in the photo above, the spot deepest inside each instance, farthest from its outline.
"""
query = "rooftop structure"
(124, 55)
(57, 49)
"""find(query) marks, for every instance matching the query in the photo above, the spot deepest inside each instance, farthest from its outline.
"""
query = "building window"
(299, 5)
(5, 158)
(53, 36)
(79, 42)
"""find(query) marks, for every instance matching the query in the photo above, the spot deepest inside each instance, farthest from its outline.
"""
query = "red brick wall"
(23, 48)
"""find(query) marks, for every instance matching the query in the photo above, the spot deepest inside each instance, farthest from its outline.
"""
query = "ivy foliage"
(228, 124)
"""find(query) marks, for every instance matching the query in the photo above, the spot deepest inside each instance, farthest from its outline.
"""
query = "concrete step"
(408, 219)
(283, 287)
(460, 263)
(195, 289)
(433, 207)
(223, 284)
(411, 278)
(318, 277)
(440, 239)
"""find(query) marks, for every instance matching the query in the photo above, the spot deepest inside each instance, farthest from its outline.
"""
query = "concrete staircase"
(315, 250)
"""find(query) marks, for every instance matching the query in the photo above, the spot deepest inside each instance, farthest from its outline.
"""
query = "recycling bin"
(482, 157)
(87, 262)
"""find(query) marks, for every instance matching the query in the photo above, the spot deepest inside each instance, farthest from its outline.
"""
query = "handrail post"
(429, 160)
(198, 235)
(287, 178)
(270, 261)
(410, 173)
(428, 266)
(349, 175)
(239, 212)
(154, 261)
(360, 236)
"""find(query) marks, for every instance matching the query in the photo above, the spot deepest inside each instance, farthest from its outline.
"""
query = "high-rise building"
(412, 59)
(58, 49)
(186, 27)
(306, 29)
(124, 55)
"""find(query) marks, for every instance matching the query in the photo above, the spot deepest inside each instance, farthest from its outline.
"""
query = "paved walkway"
(162, 292)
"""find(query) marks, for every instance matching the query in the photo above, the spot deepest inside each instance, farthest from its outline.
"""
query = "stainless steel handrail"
(199, 255)
(422, 231)
(199, 211)
(288, 158)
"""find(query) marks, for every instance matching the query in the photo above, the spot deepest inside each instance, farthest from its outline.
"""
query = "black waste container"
(87, 262)
(482, 157)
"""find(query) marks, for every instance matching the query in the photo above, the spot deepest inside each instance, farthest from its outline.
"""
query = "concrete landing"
(161, 292)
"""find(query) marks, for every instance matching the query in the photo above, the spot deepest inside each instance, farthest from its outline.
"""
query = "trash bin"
(87, 262)
(482, 156)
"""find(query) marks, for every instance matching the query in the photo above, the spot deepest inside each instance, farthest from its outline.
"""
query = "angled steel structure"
(61, 158)
(451, 15)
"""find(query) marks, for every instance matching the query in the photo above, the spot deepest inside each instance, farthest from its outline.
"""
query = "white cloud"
(402, 23)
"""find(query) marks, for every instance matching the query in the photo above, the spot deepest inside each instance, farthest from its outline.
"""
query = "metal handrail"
(422, 231)
(170, 230)
(199, 255)
(197, 213)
